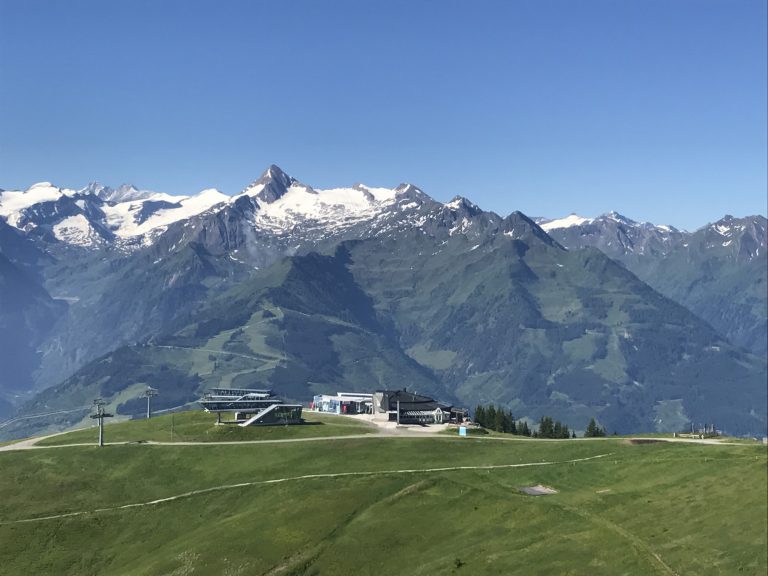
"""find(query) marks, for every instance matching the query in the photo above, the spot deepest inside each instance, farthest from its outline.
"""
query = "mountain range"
(718, 271)
(305, 290)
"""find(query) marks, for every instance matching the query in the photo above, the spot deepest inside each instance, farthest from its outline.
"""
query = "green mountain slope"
(509, 317)
(124, 299)
(719, 272)
(721, 278)
(303, 327)
(26, 314)
(549, 331)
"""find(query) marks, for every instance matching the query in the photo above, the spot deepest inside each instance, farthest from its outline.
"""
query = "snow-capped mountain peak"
(330, 208)
(611, 218)
(46, 190)
(154, 214)
(725, 226)
(461, 204)
(14, 202)
(746, 237)
(126, 193)
(275, 203)
(37, 185)
(96, 189)
(616, 217)
(407, 189)
(271, 185)
(567, 222)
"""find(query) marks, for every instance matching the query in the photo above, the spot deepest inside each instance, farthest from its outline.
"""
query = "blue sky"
(653, 108)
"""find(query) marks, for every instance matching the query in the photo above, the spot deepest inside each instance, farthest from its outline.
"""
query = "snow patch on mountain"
(573, 220)
(567, 222)
(123, 218)
(12, 202)
(76, 230)
(253, 190)
(124, 193)
(331, 207)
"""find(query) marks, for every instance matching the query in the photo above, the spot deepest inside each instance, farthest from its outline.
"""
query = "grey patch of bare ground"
(538, 490)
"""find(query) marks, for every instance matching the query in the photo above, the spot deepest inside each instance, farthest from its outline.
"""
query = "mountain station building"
(344, 403)
(398, 406)
(406, 407)
(251, 407)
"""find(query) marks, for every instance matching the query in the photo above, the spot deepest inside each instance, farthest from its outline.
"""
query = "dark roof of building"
(409, 401)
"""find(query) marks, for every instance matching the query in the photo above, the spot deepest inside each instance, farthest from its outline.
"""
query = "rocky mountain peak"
(123, 193)
(618, 218)
(97, 189)
(518, 226)
(271, 185)
(406, 190)
(461, 204)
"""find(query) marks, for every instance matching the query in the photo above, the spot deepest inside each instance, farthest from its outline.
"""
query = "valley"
(308, 291)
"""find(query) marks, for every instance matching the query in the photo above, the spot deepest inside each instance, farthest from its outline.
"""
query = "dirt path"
(382, 432)
(298, 478)
(31, 443)
(222, 352)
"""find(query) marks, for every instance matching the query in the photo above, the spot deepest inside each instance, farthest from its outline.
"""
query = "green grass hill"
(381, 505)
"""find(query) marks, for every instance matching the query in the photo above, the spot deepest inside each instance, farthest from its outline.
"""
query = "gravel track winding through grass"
(297, 478)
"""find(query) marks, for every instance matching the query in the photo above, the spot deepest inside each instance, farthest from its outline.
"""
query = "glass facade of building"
(251, 407)
(281, 414)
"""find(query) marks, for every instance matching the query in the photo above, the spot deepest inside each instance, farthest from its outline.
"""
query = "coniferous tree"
(480, 415)
(490, 416)
(498, 421)
(546, 427)
(593, 430)
(512, 425)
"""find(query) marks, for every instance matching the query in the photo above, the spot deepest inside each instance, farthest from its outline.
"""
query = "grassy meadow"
(199, 426)
(658, 508)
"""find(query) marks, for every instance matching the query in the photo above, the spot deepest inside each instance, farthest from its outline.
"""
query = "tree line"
(500, 419)
(593, 430)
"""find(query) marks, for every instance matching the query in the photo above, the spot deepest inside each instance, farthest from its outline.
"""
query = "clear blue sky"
(653, 108)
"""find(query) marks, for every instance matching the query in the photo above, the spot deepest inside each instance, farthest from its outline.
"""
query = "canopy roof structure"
(245, 400)
(251, 406)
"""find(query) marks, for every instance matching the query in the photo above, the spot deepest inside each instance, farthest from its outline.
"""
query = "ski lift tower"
(100, 415)
(149, 394)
